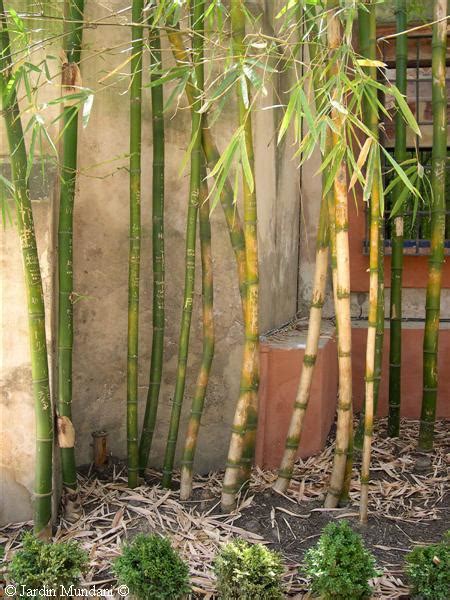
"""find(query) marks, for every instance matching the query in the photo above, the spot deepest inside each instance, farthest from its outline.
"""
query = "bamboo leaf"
(288, 114)
(87, 107)
(405, 110)
(400, 172)
(244, 91)
(361, 161)
(401, 199)
(246, 164)
(367, 62)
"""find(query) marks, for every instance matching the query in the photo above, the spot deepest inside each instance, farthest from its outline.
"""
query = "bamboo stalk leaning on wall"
(438, 173)
(135, 241)
(243, 433)
(367, 36)
(342, 284)
(71, 79)
(317, 300)
(212, 155)
(33, 284)
(395, 350)
(197, 81)
(158, 311)
(190, 445)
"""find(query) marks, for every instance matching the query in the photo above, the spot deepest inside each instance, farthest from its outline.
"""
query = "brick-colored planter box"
(281, 362)
(412, 340)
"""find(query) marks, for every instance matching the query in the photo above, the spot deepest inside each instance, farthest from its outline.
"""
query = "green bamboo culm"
(243, 436)
(395, 352)
(73, 11)
(433, 296)
(33, 285)
(135, 241)
(148, 427)
(197, 77)
(198, 400)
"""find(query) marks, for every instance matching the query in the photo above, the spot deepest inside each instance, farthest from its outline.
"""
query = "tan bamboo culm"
(342, 295)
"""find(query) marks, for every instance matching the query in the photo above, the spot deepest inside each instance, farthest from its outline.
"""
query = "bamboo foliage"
(70, 79)
(198, 400)
(342, 289)
(242, 443)
(33, 285)
(135, 241)
(433, 296)
(367, 32)
(191, 232)
(158, 311)
(395, 352)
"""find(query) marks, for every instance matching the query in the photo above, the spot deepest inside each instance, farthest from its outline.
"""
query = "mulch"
(407, 507)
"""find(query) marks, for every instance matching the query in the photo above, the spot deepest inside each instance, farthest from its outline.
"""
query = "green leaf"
(400, 172)
(246, 168)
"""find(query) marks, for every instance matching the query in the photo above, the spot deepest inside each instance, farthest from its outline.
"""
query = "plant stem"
(342, 289)
(367, 33)
(157, 252)
(433, 298)
(198, 401)
(135, 242)
(33, 285)
(212, 155)
(70, 498)
(243, 434)
(318, 295)
(191, 232)
(395, 352)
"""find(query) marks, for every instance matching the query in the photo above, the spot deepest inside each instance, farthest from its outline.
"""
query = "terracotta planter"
(412, 340)
(281, 362)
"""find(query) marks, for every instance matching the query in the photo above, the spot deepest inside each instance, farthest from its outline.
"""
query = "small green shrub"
(38, 564)
(428, 569)
(247, 572)
(151, 568)
(339, 565)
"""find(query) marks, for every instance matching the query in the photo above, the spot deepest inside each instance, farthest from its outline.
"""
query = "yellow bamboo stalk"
(342, 292)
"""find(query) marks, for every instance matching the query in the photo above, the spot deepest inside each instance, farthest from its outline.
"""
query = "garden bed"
(406, 508)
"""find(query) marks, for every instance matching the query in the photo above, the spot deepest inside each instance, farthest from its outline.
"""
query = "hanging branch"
(367, 36)
(33, 285)
(198, 401)
(191, 232)
(71, 79)
(243, 434)
(157, 250)
(433, 298)
(342, 282)
(135, 242)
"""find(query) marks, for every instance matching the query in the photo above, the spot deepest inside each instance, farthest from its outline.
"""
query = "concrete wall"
(101, 271)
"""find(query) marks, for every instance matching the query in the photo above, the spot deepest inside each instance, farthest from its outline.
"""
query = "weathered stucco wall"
(101, 273)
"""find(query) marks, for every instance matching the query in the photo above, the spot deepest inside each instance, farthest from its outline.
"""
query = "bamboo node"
(301, 405)
(45, 495)
(309, 360)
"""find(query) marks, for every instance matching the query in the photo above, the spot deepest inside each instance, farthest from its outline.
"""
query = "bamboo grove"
(334, 107)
